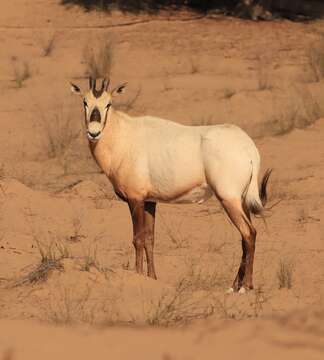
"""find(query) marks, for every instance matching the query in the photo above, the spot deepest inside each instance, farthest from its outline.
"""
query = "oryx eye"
(85, 103)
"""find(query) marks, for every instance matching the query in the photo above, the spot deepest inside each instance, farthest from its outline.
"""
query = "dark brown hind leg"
(241, 220)
(149, 208)
(238, 282)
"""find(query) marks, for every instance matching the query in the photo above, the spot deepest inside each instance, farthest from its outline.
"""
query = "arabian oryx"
(150, 160)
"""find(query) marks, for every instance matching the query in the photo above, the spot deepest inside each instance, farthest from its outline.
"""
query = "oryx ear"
(118, 89)
(75, 89)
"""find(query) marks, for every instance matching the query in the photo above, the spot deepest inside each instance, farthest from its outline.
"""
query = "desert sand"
(68, 288)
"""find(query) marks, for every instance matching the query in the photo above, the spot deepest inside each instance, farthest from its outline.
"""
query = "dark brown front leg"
(149, 208)
(138, 217)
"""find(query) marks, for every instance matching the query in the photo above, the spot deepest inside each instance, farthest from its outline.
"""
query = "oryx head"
(97, 103)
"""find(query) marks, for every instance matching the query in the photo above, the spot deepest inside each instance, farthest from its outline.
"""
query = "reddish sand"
(56, 202)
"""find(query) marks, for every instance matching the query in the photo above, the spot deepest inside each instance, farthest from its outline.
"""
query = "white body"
(148, 158)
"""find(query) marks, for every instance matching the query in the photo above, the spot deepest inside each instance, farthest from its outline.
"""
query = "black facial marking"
(97, 93)
(95, 115)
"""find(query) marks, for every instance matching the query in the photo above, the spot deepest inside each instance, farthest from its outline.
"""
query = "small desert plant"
(48, 44)
(167, 86)
(264, 82)
(285, 274)
(194, 68)
(230, 307)
(21, 72)
(129, 104)
(52, 251)
(2, 171)
(126, 265)
(228, 93)
(178, 307)
(302, 217)
(59, 132)
(76, 235)
(175, 235)
(90, 259)
(214, 247)
(204, 279)
(51, 256)
(66, 308)
(260, 298)
(316, 59)
(98, 58)
(296, 108)
(282, 123)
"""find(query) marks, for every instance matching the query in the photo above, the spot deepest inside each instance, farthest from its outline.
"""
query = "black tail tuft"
(263, 188)
(255, 208)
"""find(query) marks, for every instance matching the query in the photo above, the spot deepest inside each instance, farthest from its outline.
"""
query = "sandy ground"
(85, 300)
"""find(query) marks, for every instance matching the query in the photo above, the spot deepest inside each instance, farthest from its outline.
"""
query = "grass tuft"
(316, 59)
(98, 58)
(59, 132)
(51, 255)
(285, 274)
(21, 72)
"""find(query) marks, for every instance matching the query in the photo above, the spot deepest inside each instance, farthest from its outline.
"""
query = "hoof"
(242, 290)
(229, 291)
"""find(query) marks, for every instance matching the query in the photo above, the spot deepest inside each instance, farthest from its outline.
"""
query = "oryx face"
(96, 106)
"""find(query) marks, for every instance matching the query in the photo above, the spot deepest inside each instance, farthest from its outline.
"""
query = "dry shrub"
(174, 233)
(293, 108)
(2, 171)
(192, 297)
(90, 259)
(316, 58)
(229, 93)
(283, 122)
(264, 73)
(128, 105)
(239, 307)
(66, 308)
(178, 307)
(194, 67)
(285, 274)
(86, 304)
(98, 58)
(76, 232)
(51, 251)
(51, 254)
(204, 279)
(48, 44)
(59, 131)
(21, 71)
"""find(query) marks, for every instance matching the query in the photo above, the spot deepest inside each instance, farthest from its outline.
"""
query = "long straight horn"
(92, 83)
(104, 84)
(107, 84)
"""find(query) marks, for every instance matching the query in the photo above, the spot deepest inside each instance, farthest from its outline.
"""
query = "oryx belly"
(197, 194)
